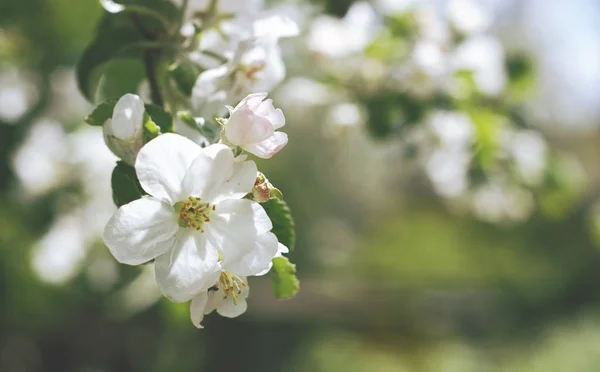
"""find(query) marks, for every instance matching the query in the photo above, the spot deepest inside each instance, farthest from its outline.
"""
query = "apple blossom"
(255, 65)
(124, 132)
(252, 125)
(195, 223)
(228, 295)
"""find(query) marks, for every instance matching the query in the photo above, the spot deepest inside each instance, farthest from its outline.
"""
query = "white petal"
(281, 249)
(274, 116)
(245, 127)
(235, 216)
(256, 257)
(269, 147)
(128, 117)
(235, 228)
(215, 175)
(141, 230)
(239, 184)
(252, 100)
(276, 26)
(230, 309)
(189, 268)
(197, 309)
(209, 94)
(162, 164)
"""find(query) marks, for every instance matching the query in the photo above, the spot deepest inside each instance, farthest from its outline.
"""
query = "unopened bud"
(124, 132)
(263, 190)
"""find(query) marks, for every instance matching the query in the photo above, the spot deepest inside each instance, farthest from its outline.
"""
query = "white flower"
(252, 125)
(228, 296)
(195, 223)
(256, 65)
(124, 134)
(338, 38)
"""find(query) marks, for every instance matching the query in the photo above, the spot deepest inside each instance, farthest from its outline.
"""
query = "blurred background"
(442, 172)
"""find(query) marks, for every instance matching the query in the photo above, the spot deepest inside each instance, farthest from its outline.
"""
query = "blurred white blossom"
(337, 38)
(468, 16)
(39, 160)
(59, 254)
(18, 92)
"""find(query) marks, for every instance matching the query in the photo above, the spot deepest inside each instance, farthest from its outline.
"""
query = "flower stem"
(150, 59)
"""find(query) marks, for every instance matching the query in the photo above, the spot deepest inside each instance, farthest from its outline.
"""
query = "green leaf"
(283, 224)
(283, 276)
(115, 38)
(160, 117)
(119, 77)
(103, 112)
(125, 185)
(185, 75)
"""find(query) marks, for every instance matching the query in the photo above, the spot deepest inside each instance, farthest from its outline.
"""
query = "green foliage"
(283, 275)
(283, 224)
(125, 185)
(151, 129)
(564, 183)
(184, 74)
(118, 78)
(160, 117)
(487, 128)
(521, 75)
(276, 194)
(126, 34)
(115, 38)
(101, 113)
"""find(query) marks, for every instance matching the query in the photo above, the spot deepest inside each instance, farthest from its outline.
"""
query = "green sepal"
(125, 184)
(283, 276)
(283, 224)
(101, 113)
(151, 130)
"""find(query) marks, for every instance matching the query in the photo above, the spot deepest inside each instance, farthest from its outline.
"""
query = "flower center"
(231, 285)
(193, 213)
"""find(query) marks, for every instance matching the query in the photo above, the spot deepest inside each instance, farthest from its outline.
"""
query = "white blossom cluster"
(418, 52)
(200, 220)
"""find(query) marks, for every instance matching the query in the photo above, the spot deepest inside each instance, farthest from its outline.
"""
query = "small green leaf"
(119, 77)
(151, 130)
(276, 194)
(185, 75)
(103, 112)
(283, 276)
(125, 185)
(283, 224)
(160, 117)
